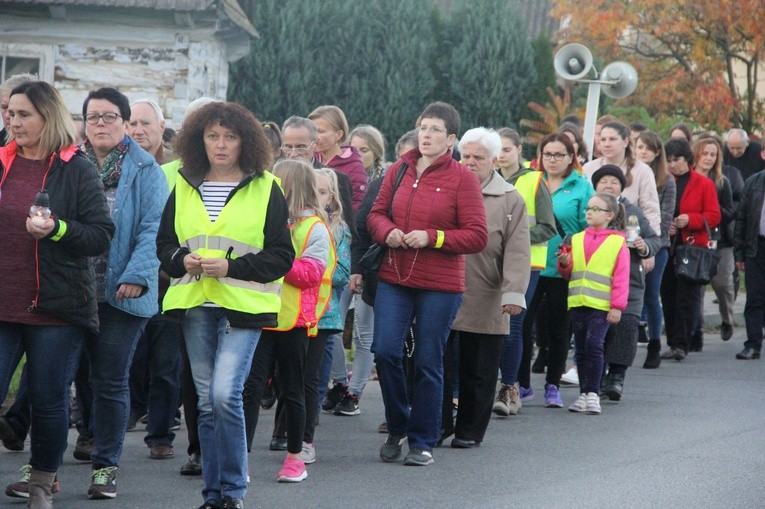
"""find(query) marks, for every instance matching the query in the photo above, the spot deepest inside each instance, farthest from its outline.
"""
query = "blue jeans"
(362, 337)
(220, 358)
(52, 354)
(652, 312)
(512, 347)
(433, 314)
(110, 356)
(163, 346)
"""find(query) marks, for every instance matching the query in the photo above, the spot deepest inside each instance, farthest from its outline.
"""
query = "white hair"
(488, 138)
(154, 106)
(197, 104)
(740, 132)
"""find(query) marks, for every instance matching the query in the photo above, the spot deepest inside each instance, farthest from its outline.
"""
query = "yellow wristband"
(439, 239)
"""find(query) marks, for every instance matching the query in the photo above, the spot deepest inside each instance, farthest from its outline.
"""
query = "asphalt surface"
(687, 435)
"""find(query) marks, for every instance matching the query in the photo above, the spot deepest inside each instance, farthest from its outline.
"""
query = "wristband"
(439, 239)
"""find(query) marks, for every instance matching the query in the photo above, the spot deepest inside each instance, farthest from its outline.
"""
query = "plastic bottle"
(40, 211)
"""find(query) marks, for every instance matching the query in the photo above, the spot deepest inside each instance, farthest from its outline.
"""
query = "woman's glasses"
(109, 118)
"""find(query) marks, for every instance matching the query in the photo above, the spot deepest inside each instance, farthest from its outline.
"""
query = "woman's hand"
(356, 284)
(648, 264)
(639, 244)
(417, 239)
(395, 239)
(680, 221)
(214, 267)
(192, 262)
(128, 291)
(564, 258)
(512, 309)
(40, 232)
(614, 316)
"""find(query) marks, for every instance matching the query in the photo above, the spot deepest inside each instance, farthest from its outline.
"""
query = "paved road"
(689, 434)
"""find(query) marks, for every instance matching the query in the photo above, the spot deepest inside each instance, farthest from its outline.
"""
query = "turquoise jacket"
(569, 204)
(332, 318)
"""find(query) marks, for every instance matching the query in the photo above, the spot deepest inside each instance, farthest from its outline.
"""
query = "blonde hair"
(334, 209)
(376, 143)
(716, 171)
(299, 185)
(334, 116)
(58, 131)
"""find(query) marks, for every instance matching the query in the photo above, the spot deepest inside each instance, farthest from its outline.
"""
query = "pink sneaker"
(292, 471)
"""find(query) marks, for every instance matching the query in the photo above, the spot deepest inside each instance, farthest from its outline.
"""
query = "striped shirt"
(214, 195)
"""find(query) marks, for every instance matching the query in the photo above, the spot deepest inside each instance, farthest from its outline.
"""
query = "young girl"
(597, 267)
(305, 296)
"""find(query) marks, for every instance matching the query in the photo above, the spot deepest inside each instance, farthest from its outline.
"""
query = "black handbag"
(372, 259)
(696, 264)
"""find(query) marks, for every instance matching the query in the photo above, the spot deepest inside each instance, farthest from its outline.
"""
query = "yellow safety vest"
(292, 301)
(590, 283)
(171, 172)
(528, 185)
(237, 231)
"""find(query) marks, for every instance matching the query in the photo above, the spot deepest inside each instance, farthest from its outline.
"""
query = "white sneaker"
(580, 405)
(308, 454)
(593, 403)
(571, 377)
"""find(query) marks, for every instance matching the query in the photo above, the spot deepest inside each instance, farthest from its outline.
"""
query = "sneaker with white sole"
(293, 470)
(391, 449)
(418, 458)
(593, 403)
(552, 396)
(580, 405)
(104, 484)
(308, 454)
(570, 377)
(526, 393)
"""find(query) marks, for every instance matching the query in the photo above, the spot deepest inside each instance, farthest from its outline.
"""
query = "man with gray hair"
(147, 124)
(6, 87)
(742, 153)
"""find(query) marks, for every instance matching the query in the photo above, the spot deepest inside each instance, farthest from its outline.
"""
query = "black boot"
(653, 359)
(642, 332)
(697, 342)
(605, 381)
(615, 387)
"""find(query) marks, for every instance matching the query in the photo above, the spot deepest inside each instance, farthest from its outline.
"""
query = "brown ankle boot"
(40, 489)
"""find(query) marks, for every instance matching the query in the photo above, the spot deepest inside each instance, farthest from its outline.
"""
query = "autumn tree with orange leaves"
(689, 54)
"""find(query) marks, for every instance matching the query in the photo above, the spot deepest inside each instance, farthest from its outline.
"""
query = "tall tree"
(687, 53)
(490, 71)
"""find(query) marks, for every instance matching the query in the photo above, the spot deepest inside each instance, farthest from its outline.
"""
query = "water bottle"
(40, 211)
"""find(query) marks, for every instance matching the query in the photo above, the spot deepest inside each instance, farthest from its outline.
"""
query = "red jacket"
(349, 162)
(699, 201)
(446, 197)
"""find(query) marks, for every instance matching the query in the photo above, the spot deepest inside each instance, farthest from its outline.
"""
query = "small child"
(597, 267)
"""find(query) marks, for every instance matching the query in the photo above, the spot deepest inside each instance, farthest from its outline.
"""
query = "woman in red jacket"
(428, 222)
(696, 204)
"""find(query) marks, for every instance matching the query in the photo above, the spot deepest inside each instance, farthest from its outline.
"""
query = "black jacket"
(273, 262)
(748, 218)
(67, 286)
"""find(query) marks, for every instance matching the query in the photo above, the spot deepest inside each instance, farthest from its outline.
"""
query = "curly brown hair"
(255, 156)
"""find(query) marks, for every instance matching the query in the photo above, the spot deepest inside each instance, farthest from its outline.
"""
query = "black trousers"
(289, 349)
(313, 360)
(754, 310)
(478, 369)
(552, 329)
(682, 305)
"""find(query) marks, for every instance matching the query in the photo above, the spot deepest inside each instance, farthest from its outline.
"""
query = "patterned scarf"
(111, 170)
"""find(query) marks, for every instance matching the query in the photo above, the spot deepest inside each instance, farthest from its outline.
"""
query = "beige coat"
(499, 274)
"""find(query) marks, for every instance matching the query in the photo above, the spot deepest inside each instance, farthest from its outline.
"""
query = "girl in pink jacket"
(597, 265)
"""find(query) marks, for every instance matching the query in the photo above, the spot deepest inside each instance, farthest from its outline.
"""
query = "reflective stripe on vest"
(590, 283)
(292, 301)
(237, 231)
(528, 185)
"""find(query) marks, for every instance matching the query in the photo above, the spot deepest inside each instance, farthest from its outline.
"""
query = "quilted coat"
(447, 197)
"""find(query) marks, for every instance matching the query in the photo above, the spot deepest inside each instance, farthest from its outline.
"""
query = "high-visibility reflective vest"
(528, 185)
(590, 283)
(237, 231)
(292, 301)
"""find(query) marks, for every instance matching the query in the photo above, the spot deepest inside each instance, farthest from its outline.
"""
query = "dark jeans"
(19, 414)
(754, 310)
(190, 401)
(313, 361)
(478, 365)
(139, 377)
(325, 369)
(110, 355)
(84, 399)
(289, 348)
(514, 344)
(52, 353)
(590, 328)
(552, 329)
(433, 312)
(163, 339)
(682, 304)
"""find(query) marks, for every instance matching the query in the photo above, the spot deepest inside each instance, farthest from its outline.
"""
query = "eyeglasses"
(554, 156)
(596, 209)
(430, 128)
(109, 118)
(298, 149)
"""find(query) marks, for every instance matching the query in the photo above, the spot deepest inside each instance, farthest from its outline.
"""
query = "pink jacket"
(620, 280)
(307, 271)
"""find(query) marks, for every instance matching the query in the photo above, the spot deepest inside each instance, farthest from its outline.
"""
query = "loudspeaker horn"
(573, 61)
(625, 76)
